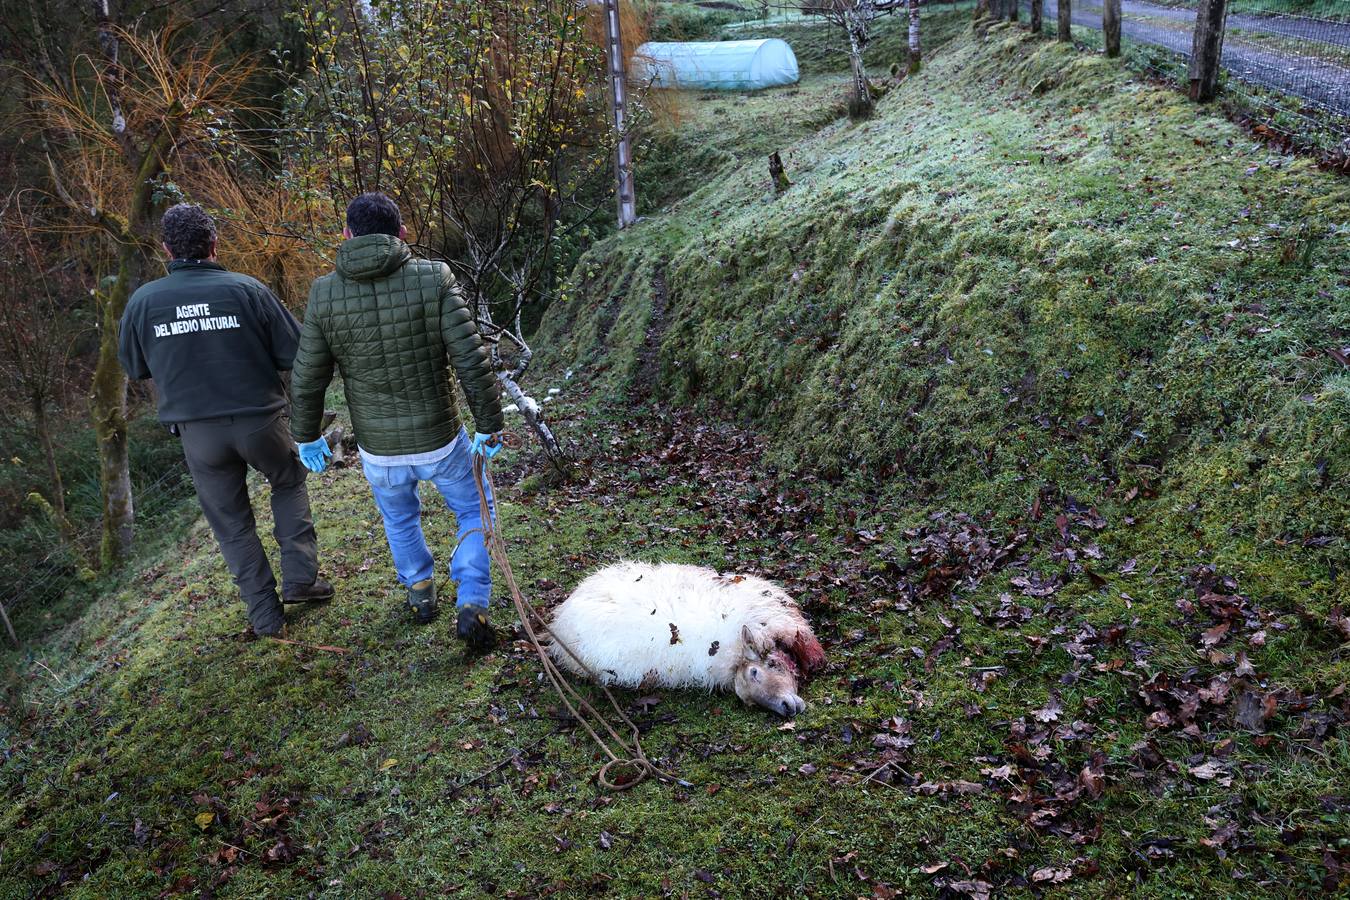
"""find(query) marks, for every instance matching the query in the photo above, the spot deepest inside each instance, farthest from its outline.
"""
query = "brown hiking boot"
(318, 592)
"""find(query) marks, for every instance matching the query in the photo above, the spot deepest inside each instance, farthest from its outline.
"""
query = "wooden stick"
(8, 627)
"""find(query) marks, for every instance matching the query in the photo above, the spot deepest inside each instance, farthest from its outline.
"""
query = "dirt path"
(1323, 83)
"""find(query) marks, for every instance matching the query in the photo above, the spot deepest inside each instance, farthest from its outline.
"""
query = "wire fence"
(1286, 62)
(40, 580)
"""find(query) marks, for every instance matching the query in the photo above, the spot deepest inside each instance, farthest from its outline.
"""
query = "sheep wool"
(667, 625)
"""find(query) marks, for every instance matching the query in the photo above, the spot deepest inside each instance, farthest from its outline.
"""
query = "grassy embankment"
(1032, 292)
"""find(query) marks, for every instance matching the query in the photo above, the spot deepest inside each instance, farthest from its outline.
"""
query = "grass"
(1030, 291)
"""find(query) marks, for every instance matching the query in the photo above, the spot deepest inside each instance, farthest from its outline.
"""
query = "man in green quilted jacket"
(395, 326)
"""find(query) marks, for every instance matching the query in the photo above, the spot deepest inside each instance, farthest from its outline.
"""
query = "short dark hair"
(373, 213)
(188, 231)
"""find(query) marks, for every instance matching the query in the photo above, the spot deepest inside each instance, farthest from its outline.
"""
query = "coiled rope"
(626, 753)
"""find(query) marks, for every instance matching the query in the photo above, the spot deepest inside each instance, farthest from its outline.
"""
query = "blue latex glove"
(315, 454)
(488, 445)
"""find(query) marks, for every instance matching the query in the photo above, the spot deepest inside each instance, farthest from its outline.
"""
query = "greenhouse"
(718, 65)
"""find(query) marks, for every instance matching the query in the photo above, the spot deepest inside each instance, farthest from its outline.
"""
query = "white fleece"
(618, 621)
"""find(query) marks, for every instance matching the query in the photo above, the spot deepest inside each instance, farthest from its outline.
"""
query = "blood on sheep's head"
(768, 678)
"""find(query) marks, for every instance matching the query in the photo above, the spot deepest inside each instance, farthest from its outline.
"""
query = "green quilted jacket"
(393, 326)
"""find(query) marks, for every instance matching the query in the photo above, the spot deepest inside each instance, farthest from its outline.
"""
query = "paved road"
(1323, 83)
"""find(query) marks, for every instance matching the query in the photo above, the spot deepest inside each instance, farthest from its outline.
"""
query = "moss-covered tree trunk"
(1037, 10)
(109, 394)
(1063, 20)
(108, 402)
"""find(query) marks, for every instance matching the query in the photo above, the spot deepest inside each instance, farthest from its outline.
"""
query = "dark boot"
(318, 592)
(422, 601)
(474, 629)
(275, 629)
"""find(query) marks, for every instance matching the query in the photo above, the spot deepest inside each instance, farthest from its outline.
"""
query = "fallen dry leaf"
(1212, 637)
(1051, 711)
(977, 890)
(1050, 875)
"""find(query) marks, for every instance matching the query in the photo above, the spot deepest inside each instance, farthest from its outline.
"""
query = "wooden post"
(1207, 49)
(1036, 13)
(1063, 19)
(777, 174)
(618, 103)
(1111, 27)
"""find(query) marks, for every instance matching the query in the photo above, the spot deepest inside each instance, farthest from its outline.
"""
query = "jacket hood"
(371, 256)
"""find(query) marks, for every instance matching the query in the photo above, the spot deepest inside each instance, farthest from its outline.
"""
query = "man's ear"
(211, 254)
(403, 232)
(346, 233)
(167, 251)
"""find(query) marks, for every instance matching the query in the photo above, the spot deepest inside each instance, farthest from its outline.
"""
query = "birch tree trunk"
(915, 51)
(529, 410)
(1111, 27)
(860, 104)
(1064, 20)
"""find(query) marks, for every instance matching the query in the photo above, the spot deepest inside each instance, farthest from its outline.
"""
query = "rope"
(626, 753)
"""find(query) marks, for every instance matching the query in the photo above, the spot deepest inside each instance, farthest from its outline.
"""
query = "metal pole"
(618, 102)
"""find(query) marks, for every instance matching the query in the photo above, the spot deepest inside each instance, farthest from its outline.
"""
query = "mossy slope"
(1028, 269)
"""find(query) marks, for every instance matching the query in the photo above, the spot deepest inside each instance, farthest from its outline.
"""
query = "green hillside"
(1029, 388)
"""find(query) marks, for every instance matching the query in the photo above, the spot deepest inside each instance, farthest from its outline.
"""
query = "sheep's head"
(768, 677)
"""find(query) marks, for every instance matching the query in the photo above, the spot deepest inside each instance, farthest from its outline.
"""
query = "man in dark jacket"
(395, 326)
(215, 342)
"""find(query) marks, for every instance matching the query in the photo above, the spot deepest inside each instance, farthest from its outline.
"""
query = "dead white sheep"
(640, 625)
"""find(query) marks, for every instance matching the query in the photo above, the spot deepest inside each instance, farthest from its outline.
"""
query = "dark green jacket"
(394, 326)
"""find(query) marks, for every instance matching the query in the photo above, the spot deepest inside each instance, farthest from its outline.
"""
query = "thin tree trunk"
(1207, 49)
(860, 106)
(44, 436)
(109, 408)
(1036, 14)
(1063, 20)
(915, 51)
(1014, 10)
(1111, 27)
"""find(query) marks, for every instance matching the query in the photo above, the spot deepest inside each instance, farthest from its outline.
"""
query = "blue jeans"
(395, 490)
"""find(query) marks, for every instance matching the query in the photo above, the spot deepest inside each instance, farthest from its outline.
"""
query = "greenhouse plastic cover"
(724, 65)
